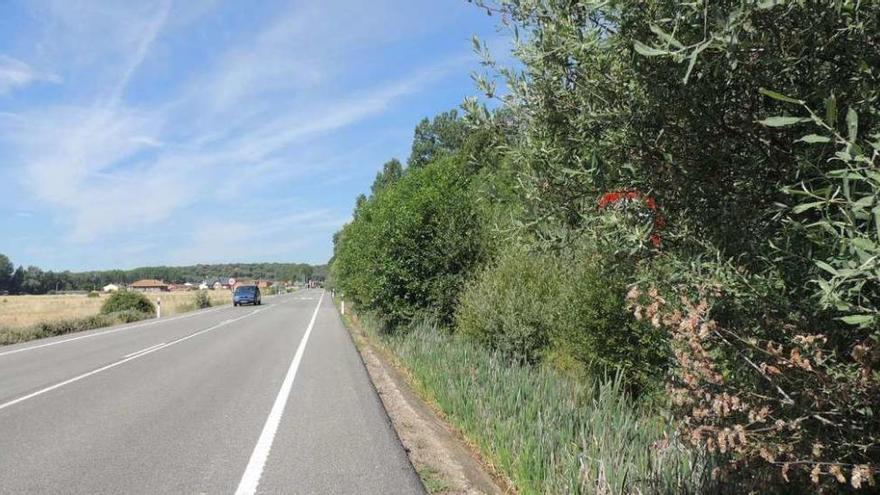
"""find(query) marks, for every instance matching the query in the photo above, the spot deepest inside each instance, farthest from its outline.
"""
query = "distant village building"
(149, 285)
(262, 283)
(110, 288)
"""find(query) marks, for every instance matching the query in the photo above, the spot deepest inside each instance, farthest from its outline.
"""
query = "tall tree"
(6, 269)
(391, 172)
(33, 282)
(435, 138)
(16, 281)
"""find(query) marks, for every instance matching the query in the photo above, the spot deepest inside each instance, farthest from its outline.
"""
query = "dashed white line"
(250, 480)
(129, 327)
(143, 350)
(123, 361)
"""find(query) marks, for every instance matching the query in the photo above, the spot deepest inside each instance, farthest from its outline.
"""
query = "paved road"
(268, 399)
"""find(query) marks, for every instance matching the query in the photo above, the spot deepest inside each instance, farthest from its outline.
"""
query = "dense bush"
(411, 247)
(767, 390)
(512, 304)
(128, 301)
(564, 305)
(753, 125)
(202, 300)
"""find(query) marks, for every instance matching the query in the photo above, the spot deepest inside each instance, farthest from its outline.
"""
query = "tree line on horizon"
(34, 280)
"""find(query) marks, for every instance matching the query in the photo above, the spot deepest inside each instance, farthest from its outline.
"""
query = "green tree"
(33, 281)
(413, 245)
(17, 280)
(444, 135)
(6, 271)
(391, 172)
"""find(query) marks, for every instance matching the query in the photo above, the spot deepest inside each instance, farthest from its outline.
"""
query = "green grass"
(433, 480)
(547, 432)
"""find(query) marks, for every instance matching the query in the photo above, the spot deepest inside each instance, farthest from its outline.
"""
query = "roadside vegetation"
(71, 325)
(558, 434)
(668, 220)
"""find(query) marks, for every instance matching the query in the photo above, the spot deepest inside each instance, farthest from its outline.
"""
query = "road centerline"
(135, 353)
(106, 332)
(142, 353)
(250, 480)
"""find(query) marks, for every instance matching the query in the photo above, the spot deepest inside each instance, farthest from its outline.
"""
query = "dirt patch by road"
(445, 463)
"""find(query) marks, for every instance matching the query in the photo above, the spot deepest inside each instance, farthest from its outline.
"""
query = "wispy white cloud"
(142, 48)
(229, 240)
(113, 168)
(15, 74)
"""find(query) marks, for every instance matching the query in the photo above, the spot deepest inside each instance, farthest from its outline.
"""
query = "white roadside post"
(158, 307)
(342, 304)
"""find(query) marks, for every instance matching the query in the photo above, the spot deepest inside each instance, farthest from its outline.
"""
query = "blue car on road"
(246, 294)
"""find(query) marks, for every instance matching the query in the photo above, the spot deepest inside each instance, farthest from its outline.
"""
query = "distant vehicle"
(246, 294)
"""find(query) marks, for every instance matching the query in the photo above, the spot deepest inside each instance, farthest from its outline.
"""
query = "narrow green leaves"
(852, 124)
(782, 121)
(814, 138)
(779, 96)
(648, 51)
(857, 319)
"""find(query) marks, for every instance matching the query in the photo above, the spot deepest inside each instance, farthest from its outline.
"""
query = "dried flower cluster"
(792, 402)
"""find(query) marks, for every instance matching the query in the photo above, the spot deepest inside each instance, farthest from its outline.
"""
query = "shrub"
(510, 305)
(571, 304)
(203, 300)
(93, 294)
(130, 316)
(760, 387)
(128, 300)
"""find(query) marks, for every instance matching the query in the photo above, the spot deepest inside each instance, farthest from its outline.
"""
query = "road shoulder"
(446, 464)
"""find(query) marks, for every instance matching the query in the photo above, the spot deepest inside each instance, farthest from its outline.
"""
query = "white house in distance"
(110, 288)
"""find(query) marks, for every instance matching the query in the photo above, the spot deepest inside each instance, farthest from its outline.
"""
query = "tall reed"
(547, 432)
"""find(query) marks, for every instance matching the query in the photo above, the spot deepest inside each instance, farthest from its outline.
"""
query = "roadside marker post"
(158, 307)
(342, 307)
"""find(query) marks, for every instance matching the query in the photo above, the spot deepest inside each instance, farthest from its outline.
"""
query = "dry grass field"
(22, 311)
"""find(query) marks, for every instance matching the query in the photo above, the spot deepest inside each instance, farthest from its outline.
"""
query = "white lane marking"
(250, 480)
(143, 350)
(132, 327)
(122, 361)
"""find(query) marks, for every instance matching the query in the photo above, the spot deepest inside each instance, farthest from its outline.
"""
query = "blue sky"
(198, 131)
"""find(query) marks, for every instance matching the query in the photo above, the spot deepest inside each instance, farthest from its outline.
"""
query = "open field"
(21, 311)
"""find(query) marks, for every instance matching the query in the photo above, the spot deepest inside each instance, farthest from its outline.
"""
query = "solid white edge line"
(250, 480)
(121, 361)
(155, 321)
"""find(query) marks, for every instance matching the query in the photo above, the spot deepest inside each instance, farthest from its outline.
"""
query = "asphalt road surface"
(265, 399)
